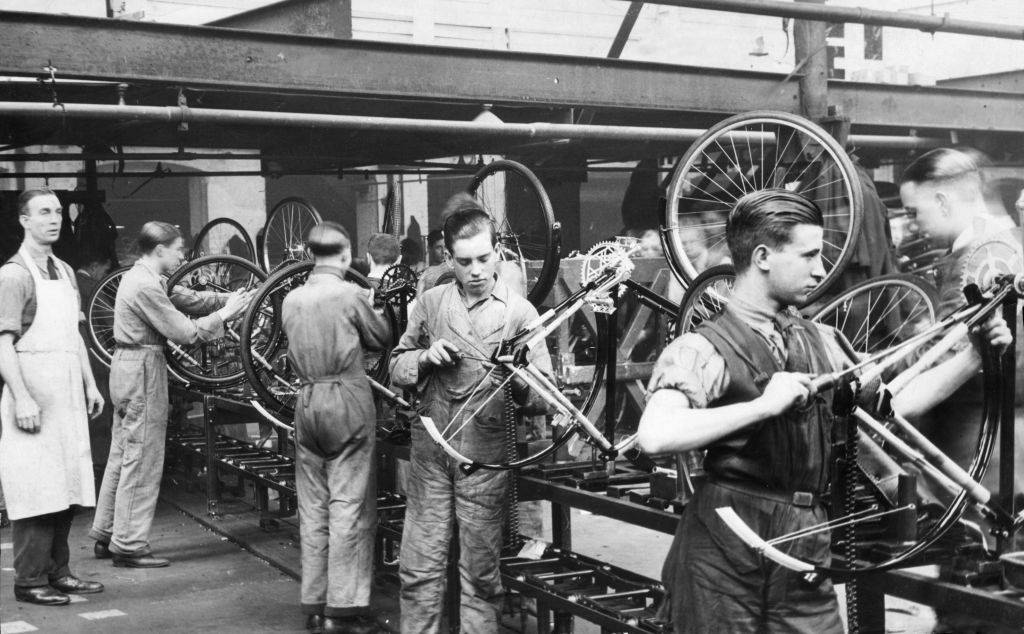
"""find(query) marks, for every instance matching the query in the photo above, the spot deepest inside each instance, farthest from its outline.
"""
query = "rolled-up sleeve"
(158, 310)
(15, 291)
(197, 303)
(405, 368)
(690, 365)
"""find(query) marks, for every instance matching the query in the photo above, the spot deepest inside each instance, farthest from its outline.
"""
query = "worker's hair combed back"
(383, 248)
(766, 217)
(434, 236)
(328, 239)
(464, 217)
(26, 196)
(942, 164)
(155, 233)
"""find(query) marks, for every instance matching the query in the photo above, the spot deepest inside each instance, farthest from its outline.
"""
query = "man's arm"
(162, 315)
(93, 398)
(374, 330)
(407, 360)
(935, 385)
(197, 303)
(25, 408)
(670, 425)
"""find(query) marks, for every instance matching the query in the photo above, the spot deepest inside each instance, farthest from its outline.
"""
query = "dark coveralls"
(438, 493)
(329, 323)
(770, 473)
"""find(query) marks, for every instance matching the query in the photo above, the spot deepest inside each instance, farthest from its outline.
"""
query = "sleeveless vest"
(791, 452)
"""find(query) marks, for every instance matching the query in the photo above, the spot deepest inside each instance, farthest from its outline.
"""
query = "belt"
(326, 380)
(137, 346)
(802, 499)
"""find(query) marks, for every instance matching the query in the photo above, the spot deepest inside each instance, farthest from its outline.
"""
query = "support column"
(810, 48)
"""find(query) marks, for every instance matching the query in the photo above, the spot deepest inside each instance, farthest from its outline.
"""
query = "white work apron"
(51, 469)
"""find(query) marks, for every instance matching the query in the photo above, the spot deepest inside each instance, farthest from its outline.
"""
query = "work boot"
(349, 625)
(101, 550)
(315, 623)
(139, 561)
(41, 595)
(73, 585)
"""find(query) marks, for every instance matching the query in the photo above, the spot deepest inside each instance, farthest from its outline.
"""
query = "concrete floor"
(212, 586)
(215, 585)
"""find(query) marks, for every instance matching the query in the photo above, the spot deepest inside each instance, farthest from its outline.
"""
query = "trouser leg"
(479, 508)
(60, 551)
(103, 518)
(353, 514)
(32, 539)
(425, 537)
(145, 428)
(312, 492)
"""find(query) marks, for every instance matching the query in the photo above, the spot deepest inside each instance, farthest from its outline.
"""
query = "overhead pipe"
(830, 13)
(177, 115)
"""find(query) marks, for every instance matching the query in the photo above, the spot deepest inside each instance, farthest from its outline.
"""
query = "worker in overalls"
(49, 393)
(450, 327)
(144, 319)
(330, 323)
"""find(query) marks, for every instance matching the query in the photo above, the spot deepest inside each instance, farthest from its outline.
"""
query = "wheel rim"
(100, 315)
(527, 233)
(750, 153)
(284, 235)
(213, 363)
(264, 345)
(223, 236)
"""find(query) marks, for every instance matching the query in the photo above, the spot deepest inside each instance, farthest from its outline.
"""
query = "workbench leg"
(561, 537)
(212, 477)
(871, 605)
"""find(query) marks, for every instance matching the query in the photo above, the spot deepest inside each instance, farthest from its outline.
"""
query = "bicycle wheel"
(211, 364)
(706, 297)
(284, 234)
(264, 345)
(883, 312)
(752, 152)
(99, 315)
(223, 236)
(527, 231)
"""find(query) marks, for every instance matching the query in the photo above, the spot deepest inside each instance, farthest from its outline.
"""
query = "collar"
(500, 291)
(334, 271)
(980, 226)
(142, 262)
(750, 313)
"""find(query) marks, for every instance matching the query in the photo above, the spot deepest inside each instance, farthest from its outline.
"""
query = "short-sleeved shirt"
(18, 292)
(693, 366)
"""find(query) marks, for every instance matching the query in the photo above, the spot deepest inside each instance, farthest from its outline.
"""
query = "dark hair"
(383, 248)
(434, 236)
(464, 217)
(412, 251)
(942, 164)
(154, 233)
(328, 239)
(766, 217)
(28, 195)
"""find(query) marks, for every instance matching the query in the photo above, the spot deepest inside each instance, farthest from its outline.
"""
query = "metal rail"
(832, 13)
(177, 115)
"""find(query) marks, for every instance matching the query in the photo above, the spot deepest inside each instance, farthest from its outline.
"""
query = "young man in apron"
(330, 323)
(49, 393)
(145, 318)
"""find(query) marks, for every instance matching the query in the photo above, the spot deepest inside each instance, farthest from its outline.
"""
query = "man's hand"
(442, 353)
(26, 414)
(995, 333)
(93, 401)
(236, 304)
(784, 391)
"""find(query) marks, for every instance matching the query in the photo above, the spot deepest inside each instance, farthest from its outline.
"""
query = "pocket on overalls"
(133, 426)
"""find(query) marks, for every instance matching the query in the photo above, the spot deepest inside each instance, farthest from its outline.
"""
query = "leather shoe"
(357, 625)
(315, 623)
(101, 550)
(73, 585)
(41, 595)
(139, 561)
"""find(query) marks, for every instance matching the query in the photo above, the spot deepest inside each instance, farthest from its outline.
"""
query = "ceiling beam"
(217, 59)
